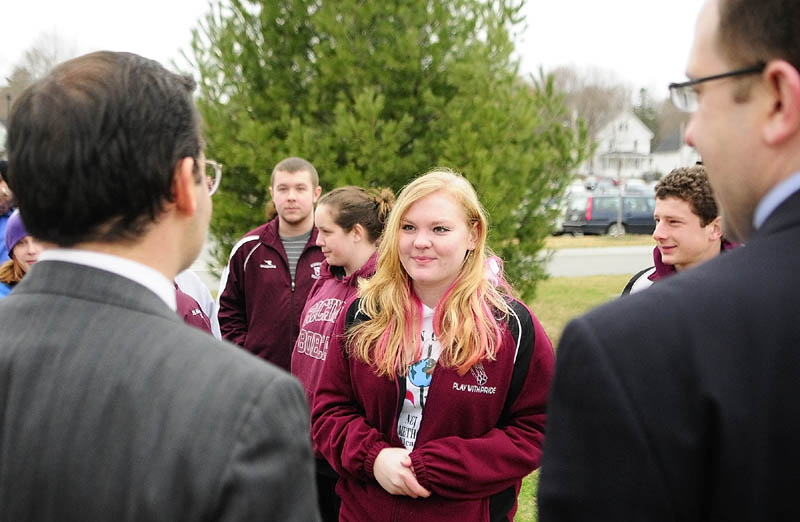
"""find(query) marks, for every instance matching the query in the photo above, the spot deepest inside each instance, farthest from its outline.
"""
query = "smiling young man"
(679, 403)
(273, 267)
(688, 230)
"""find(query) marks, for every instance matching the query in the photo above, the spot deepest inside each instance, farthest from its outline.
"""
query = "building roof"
(624, 117)
(671, 143)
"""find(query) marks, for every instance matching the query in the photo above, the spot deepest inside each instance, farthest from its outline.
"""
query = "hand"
(393, 471)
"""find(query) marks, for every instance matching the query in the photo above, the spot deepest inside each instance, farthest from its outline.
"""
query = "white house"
(623, 151)
(623, 148)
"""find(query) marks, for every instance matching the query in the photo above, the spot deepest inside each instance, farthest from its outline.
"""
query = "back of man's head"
(93, 147)
(690, 184)
(752, 31)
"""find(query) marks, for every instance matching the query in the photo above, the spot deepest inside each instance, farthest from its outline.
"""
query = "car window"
(639, 205)
(609, 204)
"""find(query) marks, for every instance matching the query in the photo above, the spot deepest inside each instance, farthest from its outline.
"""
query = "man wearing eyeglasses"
(112, 408)
(680, 403)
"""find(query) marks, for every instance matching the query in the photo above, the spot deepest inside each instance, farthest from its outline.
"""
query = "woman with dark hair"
(349, 223)
(23, 251)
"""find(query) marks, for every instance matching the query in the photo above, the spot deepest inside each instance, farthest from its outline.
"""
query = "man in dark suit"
(111, 408)
(680, 403)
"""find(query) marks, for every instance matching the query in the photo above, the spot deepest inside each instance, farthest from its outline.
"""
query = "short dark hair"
(752, 31)
(690, 184)
(4, 170)
(353, 206)
(292, 165)
(93, 147)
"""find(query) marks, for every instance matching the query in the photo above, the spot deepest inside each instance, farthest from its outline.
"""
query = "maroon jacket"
(190, 311)
(259, 306)
(324, 304)
(471, 460)
(661, 270)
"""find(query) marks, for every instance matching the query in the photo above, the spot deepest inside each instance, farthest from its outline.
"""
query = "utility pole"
(620, 186)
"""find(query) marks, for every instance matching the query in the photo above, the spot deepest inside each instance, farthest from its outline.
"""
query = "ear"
(714, 229)
(783, 119)
(184, 187)
(317, 193)
(271, 195)
(358, 232)
(473, 236)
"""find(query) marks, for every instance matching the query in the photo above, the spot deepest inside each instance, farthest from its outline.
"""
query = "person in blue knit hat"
(23, 251)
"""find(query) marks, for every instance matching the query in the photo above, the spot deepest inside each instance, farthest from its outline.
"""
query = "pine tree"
(375, 93)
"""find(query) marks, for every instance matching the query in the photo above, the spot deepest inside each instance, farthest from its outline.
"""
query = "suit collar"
(774, 197)
(145, 275)
(786, 215)
(92, 284)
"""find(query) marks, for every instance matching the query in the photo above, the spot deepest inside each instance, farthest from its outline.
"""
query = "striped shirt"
(294, 247)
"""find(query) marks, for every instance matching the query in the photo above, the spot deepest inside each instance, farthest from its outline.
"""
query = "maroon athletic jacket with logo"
(259, 306)
(471, 460)
(323, 307)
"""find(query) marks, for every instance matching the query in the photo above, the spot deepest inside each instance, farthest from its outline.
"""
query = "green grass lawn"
(558, 300)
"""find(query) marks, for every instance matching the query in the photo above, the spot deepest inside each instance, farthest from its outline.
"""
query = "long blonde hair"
(11, 272)
(467, 320)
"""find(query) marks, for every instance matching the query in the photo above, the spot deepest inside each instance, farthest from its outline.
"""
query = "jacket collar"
(330, 272)
(663, 270)
(92, 284)
(270, 235)
(786, 215)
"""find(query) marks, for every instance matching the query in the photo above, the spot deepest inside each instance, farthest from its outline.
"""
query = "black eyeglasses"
(684, 97)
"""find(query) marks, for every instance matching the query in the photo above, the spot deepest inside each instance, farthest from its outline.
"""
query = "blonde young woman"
(23, 251)
(414, 408)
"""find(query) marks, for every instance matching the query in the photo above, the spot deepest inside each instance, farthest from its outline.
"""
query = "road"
(571, 262)
(566, 262)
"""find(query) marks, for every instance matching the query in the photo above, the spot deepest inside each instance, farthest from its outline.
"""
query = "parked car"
(597, 214)
(559, 205)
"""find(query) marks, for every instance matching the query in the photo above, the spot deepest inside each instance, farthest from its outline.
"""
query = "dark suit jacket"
(682, 402)
(112, 409)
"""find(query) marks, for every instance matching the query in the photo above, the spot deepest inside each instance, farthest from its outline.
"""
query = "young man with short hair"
(688, 230)
(273, 267)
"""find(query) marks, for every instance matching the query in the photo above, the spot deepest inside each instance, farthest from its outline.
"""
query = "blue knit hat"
(15, 231)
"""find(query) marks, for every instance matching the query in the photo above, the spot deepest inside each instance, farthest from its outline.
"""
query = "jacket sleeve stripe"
(223, 280)
(519, 332)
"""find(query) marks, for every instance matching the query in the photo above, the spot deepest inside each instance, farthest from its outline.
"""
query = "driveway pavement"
(571, 262)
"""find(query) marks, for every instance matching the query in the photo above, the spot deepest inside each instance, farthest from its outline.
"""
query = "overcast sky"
(646, 43)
